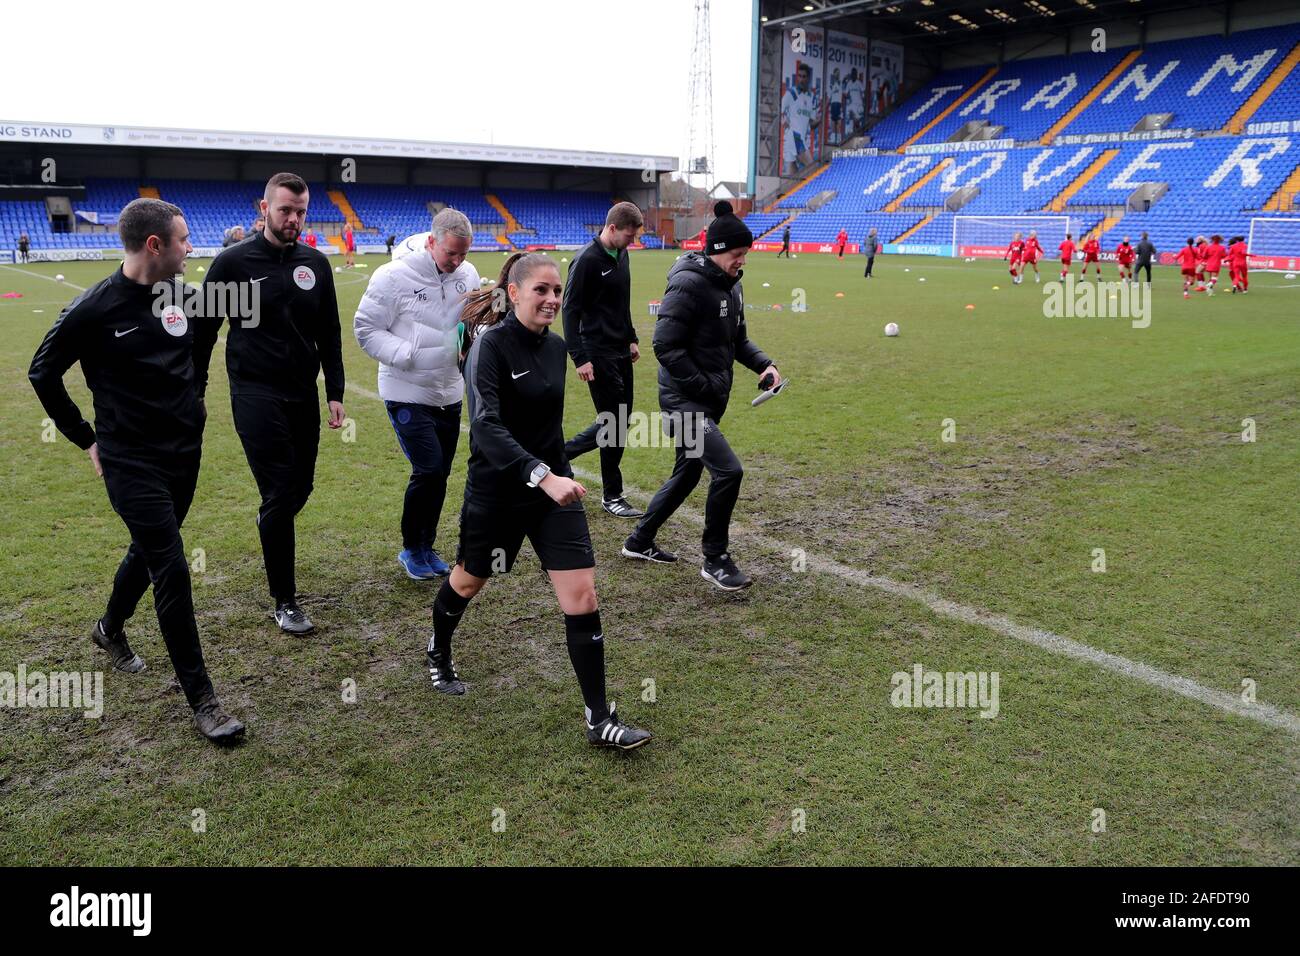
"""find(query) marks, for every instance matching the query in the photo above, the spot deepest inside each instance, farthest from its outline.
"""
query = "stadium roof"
(40, 134)
(951, 22)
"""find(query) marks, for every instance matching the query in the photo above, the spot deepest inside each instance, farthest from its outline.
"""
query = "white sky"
(495, 71)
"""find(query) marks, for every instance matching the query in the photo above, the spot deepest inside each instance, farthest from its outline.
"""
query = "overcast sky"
(580, 74)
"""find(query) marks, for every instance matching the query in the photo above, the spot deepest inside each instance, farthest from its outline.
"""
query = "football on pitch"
(891, 329)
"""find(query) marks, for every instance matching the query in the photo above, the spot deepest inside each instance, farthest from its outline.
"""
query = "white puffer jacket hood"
(407, 321)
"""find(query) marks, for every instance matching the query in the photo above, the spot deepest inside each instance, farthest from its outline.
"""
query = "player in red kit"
(1067, 254)
(1124, 256)
(1187, 257)
(1016, 254)
(1033, 252)
(842, 240)
(1214, 256)
(1201, 247)
(1092, 253)
(1237, 266)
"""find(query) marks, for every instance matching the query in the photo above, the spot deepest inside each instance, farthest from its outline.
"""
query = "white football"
(891, 329)
(907, 270)
(922, 279)
(338, 268)
(59, 277)
(1290, 275)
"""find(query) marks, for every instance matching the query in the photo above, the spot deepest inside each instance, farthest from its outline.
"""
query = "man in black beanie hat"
(700, 332)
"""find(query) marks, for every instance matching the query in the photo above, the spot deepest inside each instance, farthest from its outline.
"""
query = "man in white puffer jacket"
(408, 320)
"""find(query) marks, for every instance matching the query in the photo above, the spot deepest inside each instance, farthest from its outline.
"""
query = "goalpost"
(987, 235)
(1275, 239)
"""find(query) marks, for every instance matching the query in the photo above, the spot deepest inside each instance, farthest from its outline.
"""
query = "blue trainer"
(439, 566)
(416, 566)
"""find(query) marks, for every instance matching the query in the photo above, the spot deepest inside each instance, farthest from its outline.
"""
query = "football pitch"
(1096, 521)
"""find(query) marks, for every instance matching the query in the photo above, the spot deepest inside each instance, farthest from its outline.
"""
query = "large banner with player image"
(846, 86)
(885, 76)
(802, 62)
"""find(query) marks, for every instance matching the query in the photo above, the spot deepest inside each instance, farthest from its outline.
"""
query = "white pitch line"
(1045, 640)
(37, 275)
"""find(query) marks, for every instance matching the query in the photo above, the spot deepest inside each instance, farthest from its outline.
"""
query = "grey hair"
(451, 222)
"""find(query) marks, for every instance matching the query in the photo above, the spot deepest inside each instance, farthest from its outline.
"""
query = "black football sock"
(447, 610)
(587, 653)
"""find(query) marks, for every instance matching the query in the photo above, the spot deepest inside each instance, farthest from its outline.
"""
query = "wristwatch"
(540, 472)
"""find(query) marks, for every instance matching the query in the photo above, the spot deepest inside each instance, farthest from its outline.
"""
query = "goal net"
(984, 236)
(1277, 240)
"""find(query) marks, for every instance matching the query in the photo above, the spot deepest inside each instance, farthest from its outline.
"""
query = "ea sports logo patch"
(174, 321)
(303, 277)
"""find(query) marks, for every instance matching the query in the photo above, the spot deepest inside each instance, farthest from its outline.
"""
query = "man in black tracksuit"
(134, 343)
(603, 345)
(1146, 250)
(699, 334)
(272, 361)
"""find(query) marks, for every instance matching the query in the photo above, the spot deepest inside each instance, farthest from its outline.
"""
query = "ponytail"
(487, 306)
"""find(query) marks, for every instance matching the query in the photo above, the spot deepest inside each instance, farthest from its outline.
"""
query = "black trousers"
(870, 262)
(611, 393)
(428, 435)
(280, 438)
(785, 250)
(153, 499)
(1143, 265)
(711, 451)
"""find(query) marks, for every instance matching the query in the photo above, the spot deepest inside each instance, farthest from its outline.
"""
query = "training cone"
(839, 295)
(970, 307)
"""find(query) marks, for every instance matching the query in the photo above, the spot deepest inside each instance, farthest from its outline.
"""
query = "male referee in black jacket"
(602, 342)
(134, 343)
(272, 361)
(699, 334)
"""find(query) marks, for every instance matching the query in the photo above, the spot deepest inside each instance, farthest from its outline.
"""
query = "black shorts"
(490, 537)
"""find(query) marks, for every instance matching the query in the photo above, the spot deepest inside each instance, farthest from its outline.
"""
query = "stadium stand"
(539, 217)
(554, 218)
(1209, 176)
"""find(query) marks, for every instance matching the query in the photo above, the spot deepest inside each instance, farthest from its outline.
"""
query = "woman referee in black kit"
(519, 482)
